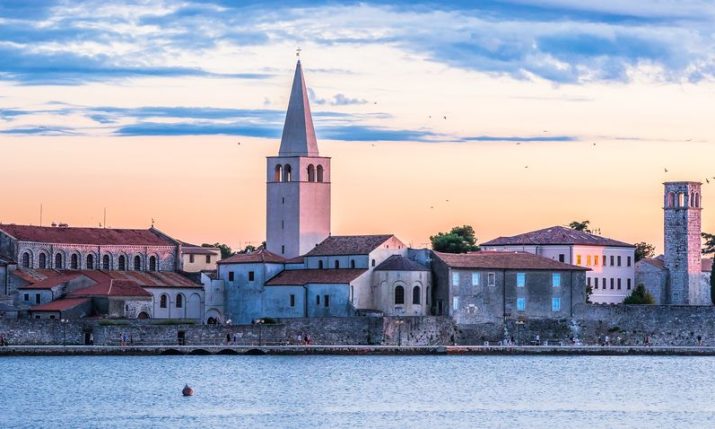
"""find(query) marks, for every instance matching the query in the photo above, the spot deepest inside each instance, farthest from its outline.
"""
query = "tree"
(639, 296)
(709, 246)
(224, 248)
(581, 226)
(644, 250)
(460, 239)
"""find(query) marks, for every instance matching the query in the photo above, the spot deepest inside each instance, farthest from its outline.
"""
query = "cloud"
(368, 134)
(199, 129)
(41, 131)
(338, 99)
(520, 139)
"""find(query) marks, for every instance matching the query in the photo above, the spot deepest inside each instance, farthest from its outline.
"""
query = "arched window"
(43, 260)
(416, 295)
(320, 264)
(58, 261)
(692, 199)
(337, 264)
(163, 301)
(399, 295)
(352, 263)
(311, 173)
(179, 301)
(26, 260)
(287, 173)
(320, 173)
(106, 263)
(122, 263)
(278, 173)
(74, 261)
(90, 262)
(681, 200)
(696, 200)
(152, 263)
(143, 315)
(373, 262)
(137, 263)
(671, 200)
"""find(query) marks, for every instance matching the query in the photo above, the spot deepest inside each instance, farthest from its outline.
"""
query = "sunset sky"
(509, 116)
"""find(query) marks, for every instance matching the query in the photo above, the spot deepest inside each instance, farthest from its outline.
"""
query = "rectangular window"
(555, 304)
(491, 279)
(595, 260)
(628, 261)
(556, 280)
(578, 259)
(326, 300)
(588, 281)
(521, 304)
(230, 276)
(588, 260)
(283, 249)
(317, 299)
(628, 283)
(612, 259)
(208, 259)
(604, 260)
(455, 279)
(475, 279)
(619, 260)
(27, 297)
(455, 303)
(37, 298)
(595, 280)
(191, 258)
(562, 257)
(619, 284)
(251, 276)
(520, 279)
(292, 300)
(283, 224)
(611, 282)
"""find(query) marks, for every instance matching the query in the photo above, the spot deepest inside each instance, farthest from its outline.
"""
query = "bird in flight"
(666, 170)
(707, 180)
(445, 117)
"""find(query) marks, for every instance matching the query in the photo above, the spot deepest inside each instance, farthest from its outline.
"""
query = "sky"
(508, 116)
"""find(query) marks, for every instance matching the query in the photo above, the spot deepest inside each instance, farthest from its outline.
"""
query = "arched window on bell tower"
(287, 173)
(320, 173)
(278, 173)
(311, 173)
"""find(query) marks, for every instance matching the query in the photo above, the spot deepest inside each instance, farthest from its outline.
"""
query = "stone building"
(196, 259)
(611, 263)
(493, 286)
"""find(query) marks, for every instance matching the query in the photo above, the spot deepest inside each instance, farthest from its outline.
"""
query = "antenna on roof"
(297, 52)
(40, 214)
(105, 218)
(152, 222)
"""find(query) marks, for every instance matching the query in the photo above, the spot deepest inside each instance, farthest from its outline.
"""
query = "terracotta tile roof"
(80, 235)
(296, 260)
(399, 263)
(60, 304)
(303, 277)
(147, 279)
(111, 288)
(51, 281)
(30, 275)
(197, 250)
(656, 262)
(348, 245)
(259, 256)
(556, 235)
(504, 261)
(707, 265)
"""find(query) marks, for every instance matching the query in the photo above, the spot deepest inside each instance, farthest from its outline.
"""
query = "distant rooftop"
(337, 245)
(303, 277)
(399, 263)
(82, 235)
(556, 235)
(258, 256)
(504, 261)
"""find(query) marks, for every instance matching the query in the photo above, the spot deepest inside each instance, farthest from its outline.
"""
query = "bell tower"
(682, 242)
(298, 182)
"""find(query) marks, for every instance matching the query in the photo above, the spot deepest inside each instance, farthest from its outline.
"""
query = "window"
(311, 173)
(520, 279)
(491, 279)
(628, 284)
(595, 260)
(373, 262)
(619, 284)
(152, 263)
(611, 282)
(455, 303)
(588, 281)
(352, 263)
(251, 276)
(292, 300)
(578, 259)
(455, 279)
(320, 265)
(74, 261)
(604, 260)
(58, 261)
(619, 260)
(595, 282)
(283, 249)
(520, 304)
(562, 257)
(287, 173)
(475, 279)
(162, 301)
(137, 263)
(283, 224)
(208, 259)
(556, 280)
(37, 298)
(90, 262)
(317, 299)
(26, 260)
(43, 261)
(399, 295)
(612, 259)
(628, 261)
(588, 260)
(555, 304)
(106, 264)
(27, 297)
(337, 264)
(230, 276)
(179, 301)
(320, 173)
(326, 300)
(122, 263)
(416, 295)
(278, 173)
(191, 259)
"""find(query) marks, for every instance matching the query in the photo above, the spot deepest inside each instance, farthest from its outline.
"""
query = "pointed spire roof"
(298, 132)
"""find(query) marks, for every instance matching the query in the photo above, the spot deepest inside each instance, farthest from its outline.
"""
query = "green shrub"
(640, 296)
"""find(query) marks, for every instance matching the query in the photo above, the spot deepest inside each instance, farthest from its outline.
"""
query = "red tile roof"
(259, 256)
(60, 304)
(348, 245)
(303, 277)
(147, 279)
(197, 250)
(48, 278)
(504, 261)
(51, 281)
(95, 236)
(556, 235)
(399, 263)
(111, 288)
(656, 262)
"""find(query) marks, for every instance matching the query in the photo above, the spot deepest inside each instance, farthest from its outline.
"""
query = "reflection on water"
(362, 391)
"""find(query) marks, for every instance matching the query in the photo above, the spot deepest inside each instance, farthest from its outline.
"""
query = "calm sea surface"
(365, 391)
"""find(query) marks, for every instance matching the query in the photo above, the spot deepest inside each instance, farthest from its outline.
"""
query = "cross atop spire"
(298, 132)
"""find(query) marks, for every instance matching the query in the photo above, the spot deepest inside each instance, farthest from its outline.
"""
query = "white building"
(611, 262)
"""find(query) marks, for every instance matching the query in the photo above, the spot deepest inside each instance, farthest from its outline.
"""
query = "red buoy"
(187, 391)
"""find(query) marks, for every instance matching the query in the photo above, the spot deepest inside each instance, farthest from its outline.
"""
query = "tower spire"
(298, 132)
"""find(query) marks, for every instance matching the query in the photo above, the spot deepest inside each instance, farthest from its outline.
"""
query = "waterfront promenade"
(209, 349)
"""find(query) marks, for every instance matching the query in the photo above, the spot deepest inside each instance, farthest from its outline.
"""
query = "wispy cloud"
(520, 139)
